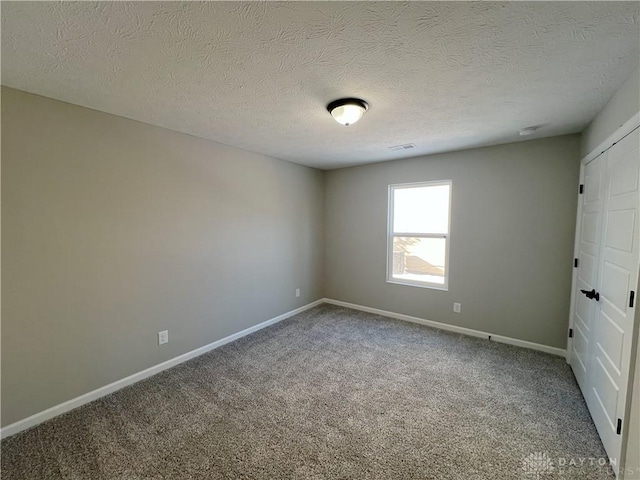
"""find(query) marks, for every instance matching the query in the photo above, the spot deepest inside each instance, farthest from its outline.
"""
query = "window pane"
(421, 209)
(419, 259)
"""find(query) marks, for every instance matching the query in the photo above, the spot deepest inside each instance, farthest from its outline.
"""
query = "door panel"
(588, 268)
(590, 227)
(588, 251)
(592, 182)
(583, 311)
(580, 350)
(620, 231)
(611, 340)
(614, 288)
(624, 177)
(618, 260)
(606, 398)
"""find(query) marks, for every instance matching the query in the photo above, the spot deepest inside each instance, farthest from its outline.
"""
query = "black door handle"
(592, 294)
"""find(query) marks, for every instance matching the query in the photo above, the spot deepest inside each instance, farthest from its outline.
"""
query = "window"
(418, 240)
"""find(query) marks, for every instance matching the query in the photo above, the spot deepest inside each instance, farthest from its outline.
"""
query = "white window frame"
(391, 235)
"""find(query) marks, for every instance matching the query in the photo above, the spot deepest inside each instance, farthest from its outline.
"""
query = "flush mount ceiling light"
(347, 111)
(528, 131)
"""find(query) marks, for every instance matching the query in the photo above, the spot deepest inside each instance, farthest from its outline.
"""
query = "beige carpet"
(330, 394)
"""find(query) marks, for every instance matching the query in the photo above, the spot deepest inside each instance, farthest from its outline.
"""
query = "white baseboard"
(54, 411)
(453, 328)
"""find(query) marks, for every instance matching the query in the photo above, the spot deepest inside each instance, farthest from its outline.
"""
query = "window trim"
(391, 235)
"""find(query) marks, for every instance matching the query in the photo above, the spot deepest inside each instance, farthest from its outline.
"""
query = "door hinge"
(632, 297)
(619, 427)
(575, 263)
(581, 188)
(571, 333)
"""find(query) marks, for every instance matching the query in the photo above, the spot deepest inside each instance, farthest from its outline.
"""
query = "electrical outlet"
(456, 307)
(163, 337)
(297, 292)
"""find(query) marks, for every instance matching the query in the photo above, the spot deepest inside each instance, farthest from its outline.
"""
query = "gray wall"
(512, 234)
(620, 108)
(113, 230)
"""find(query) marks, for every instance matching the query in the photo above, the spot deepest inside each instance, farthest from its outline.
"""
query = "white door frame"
(622, 131)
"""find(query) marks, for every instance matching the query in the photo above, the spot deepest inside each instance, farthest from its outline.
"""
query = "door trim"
(622, 131)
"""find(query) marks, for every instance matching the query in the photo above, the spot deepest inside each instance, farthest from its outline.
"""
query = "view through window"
(418, 240)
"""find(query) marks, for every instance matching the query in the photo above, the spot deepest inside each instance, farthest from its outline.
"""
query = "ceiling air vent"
(399, 148)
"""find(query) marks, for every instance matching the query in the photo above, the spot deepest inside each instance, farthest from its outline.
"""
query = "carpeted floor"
(330, 394)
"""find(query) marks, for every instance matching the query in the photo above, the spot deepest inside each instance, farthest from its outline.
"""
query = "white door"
(605, 286)
(618, 278)
(588, 249)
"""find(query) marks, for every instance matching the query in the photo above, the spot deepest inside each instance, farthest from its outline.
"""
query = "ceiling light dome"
(347, 111)
(528, 131)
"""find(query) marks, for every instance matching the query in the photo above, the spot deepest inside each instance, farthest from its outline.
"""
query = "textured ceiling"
(440, 75)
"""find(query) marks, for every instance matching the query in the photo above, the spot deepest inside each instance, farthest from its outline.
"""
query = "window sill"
(431, 286)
